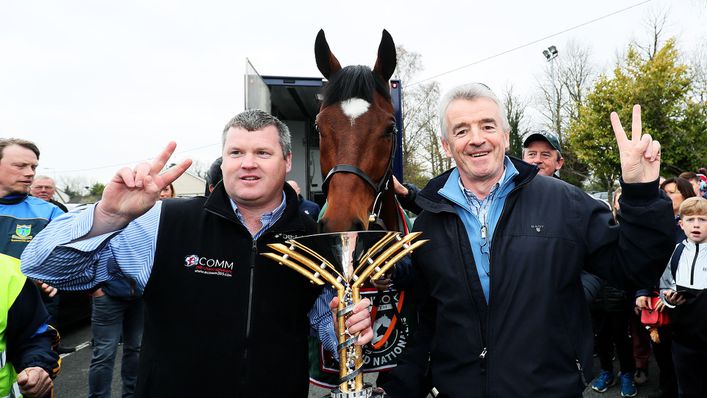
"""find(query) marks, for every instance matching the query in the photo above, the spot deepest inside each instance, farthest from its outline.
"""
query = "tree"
(97, 189)
(199, 168)
(422, 155)
(515, 112)
(563, 90)
(74, 187)
(661, 84)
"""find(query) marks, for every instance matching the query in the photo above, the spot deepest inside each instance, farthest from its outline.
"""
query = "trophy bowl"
(346, 260)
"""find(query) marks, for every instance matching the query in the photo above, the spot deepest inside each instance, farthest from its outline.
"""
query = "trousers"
(112, 319)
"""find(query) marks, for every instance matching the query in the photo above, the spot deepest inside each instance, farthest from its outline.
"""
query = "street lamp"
(550, 53)
(555, 107)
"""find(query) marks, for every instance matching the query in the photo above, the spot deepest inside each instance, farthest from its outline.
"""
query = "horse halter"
(378, 188)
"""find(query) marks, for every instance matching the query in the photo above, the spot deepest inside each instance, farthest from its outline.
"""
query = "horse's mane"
(354, 81)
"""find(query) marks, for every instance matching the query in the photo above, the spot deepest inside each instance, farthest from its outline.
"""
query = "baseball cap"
(543, 136)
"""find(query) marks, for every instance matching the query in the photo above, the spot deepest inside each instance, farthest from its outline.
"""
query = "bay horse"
(357, 137)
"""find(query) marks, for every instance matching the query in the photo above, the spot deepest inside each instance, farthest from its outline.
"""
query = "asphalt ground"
(73, 380)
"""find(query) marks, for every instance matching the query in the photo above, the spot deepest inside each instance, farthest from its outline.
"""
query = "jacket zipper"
(485, 368)
(253, 252)
(694, 260)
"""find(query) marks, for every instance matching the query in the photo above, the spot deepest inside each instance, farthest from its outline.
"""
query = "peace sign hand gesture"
(640, 156)
(132, 192)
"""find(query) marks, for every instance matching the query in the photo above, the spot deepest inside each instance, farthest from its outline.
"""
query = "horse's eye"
(391, 130)
(316, 128)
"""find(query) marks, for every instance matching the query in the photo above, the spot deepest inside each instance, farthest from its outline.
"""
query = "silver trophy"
(346, 260)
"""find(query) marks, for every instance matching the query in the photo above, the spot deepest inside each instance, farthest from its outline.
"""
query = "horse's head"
(356, 135)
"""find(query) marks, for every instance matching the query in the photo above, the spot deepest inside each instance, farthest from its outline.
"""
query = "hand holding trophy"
(346, 260)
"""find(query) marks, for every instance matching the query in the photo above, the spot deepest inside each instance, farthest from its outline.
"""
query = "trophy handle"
(348, 350)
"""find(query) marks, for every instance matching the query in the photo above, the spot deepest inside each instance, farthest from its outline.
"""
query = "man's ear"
(445, 145)
(560, 163)
(288, 159)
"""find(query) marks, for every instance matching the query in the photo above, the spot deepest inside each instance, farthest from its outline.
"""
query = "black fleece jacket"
(221, 320)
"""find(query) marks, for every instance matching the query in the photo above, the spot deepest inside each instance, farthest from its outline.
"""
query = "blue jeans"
(110, 319)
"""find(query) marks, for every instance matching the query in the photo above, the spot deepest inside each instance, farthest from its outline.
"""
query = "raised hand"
(132, 192)
(640, 156)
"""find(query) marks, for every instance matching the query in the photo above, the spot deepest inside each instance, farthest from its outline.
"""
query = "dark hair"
(6, 142)
(214, 175)
(688, 175)
(683, 185)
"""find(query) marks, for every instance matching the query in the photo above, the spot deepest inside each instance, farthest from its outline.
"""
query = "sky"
(101, 85)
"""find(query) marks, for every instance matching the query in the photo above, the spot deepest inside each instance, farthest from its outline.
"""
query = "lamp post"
(550, 54)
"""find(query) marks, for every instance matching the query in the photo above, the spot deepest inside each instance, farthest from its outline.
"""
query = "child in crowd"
(683, 287)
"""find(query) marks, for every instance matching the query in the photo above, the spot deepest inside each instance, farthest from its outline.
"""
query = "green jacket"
(11, 283)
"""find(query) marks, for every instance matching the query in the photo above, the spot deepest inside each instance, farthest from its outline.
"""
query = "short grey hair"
(470, 92)
(45, 178)
(255, 119)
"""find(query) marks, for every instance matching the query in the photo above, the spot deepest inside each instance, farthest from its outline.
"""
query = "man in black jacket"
(221, 320)
(503, 309)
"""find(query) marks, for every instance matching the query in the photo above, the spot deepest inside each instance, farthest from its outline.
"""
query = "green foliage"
(97, 189)
(574, 171)
(515, 113)
(661, 85)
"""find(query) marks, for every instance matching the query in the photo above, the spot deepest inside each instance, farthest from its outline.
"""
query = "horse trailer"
(296, 101)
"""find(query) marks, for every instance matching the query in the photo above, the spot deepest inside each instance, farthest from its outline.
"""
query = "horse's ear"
(326, 61)
(385, 64)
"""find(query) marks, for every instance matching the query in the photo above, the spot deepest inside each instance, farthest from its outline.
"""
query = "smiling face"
(541, 154)
(254, 167)
(476, 140)
(17, 170)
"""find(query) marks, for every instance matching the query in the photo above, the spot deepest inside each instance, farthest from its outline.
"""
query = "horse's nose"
(358, 226)
(325, 226)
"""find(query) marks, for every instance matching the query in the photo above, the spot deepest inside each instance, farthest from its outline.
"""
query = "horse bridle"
(378, 188)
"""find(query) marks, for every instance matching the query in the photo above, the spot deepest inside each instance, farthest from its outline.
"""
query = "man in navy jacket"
(503, 309)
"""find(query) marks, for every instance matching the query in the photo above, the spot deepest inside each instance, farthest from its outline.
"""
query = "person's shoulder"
(9, 269)
(9, 261)
(59, 205)
(32, 207)
(555, 186)
(184, 204)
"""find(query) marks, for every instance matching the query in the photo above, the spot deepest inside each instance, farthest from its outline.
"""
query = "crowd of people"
(523, 279)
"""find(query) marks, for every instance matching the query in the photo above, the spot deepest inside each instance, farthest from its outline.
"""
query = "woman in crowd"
(167, 192)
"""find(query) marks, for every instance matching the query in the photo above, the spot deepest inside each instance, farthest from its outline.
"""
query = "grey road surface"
(73, 380)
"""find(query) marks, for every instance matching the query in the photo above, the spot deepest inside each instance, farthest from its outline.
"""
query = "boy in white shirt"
(683, 286)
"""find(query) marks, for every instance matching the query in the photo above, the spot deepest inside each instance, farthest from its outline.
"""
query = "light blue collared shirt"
(473, 212)
(266, 220)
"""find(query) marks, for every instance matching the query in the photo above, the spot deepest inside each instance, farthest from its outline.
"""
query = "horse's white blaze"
(354, 108)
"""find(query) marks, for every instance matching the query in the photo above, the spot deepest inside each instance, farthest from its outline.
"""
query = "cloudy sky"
(99, 85)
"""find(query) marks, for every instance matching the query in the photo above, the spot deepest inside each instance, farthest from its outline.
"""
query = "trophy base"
(366, 392)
